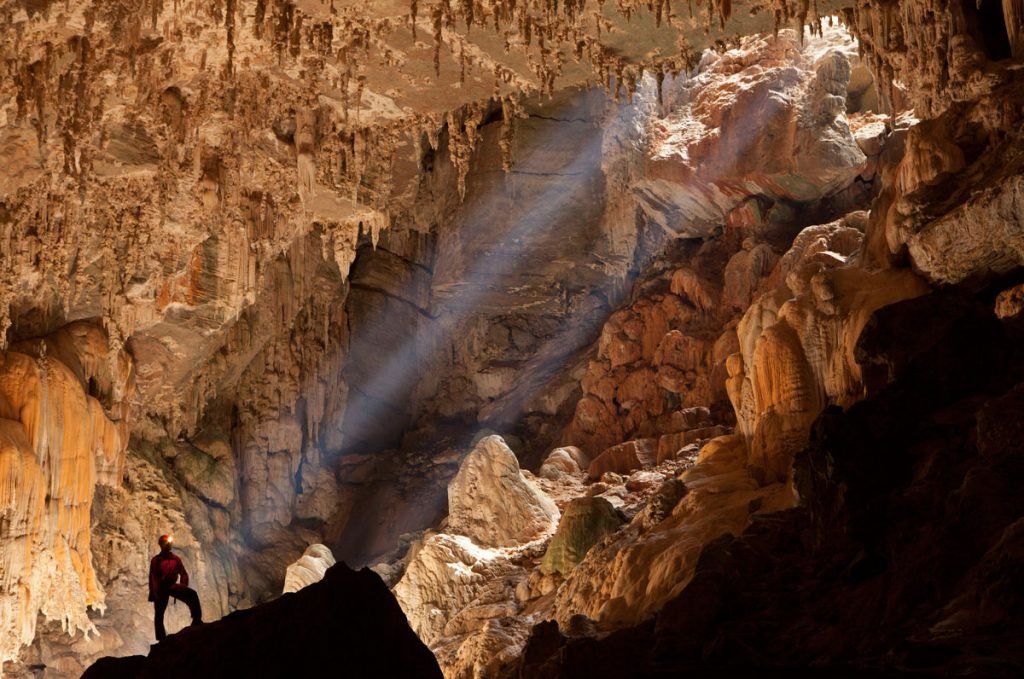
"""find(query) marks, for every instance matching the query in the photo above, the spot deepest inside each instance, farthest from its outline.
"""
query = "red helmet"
(166, 540)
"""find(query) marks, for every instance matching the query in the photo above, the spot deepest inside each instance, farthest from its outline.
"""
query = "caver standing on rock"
(164, 570)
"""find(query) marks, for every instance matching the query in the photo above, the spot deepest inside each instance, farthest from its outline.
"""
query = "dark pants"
(186, 594)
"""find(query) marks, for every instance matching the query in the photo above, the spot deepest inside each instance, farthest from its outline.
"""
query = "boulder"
(567, 460)
(1010, 302)
(448, 580)
(642, 479)
(586, 520)
(624, 458)
(670, 445)
(661, 504)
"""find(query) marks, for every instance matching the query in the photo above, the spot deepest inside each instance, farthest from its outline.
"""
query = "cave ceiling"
(391, 60)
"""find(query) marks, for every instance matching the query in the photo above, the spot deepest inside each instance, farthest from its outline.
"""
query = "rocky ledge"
(348, 621)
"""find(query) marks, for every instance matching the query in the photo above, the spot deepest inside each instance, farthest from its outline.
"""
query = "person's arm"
(183, 573)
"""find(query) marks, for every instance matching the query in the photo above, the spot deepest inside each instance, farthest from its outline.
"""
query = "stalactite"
(511, 110)
(463, 136)
(438, 22)
(1013, 16)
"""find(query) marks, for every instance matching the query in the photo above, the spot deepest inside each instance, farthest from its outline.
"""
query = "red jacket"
(164, 570)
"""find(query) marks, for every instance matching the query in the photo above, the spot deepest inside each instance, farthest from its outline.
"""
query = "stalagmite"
(491, 502)
(310, 568)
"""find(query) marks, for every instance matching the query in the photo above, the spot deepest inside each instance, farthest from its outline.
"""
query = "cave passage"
(604, 341)
(987, 23)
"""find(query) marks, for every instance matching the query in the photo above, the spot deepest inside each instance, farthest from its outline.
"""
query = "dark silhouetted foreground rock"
(346, 625)
(906, 556)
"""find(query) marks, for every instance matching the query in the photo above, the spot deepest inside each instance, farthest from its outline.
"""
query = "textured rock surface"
(624, 458)
(773, 330)
(568, 460)
(936, 54)
(63, 429)
(951, 186)
(348, 620)
(983, 235)
(459, 587)
(797, 342)
(491, 502)
(761, 125)
(453, 587)
(892, 489)
(474, 605)
(627, 578)
(310, 568)
(1010, 302)
(947, 191)
(585, 521)
(755, 145)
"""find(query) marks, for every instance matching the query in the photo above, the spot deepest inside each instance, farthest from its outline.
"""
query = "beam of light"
(502, 269)
(501, 272)
(507, 262)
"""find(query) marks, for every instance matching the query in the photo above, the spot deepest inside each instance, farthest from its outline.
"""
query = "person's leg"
(194, 607)
(159, 607)
(191, 599)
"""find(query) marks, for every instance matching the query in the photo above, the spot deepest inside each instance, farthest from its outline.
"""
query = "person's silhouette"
(164, 570)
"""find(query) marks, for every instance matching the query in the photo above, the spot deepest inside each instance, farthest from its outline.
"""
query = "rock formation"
(796, 343)
(703, 173)
(568, 460)
(866, 600)
(490, 502)
(472, 598)
(755, 128)
(63, 430)
(310, 568)
(458, 583)
(586, 520)
(892, 488)
(348, 621)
